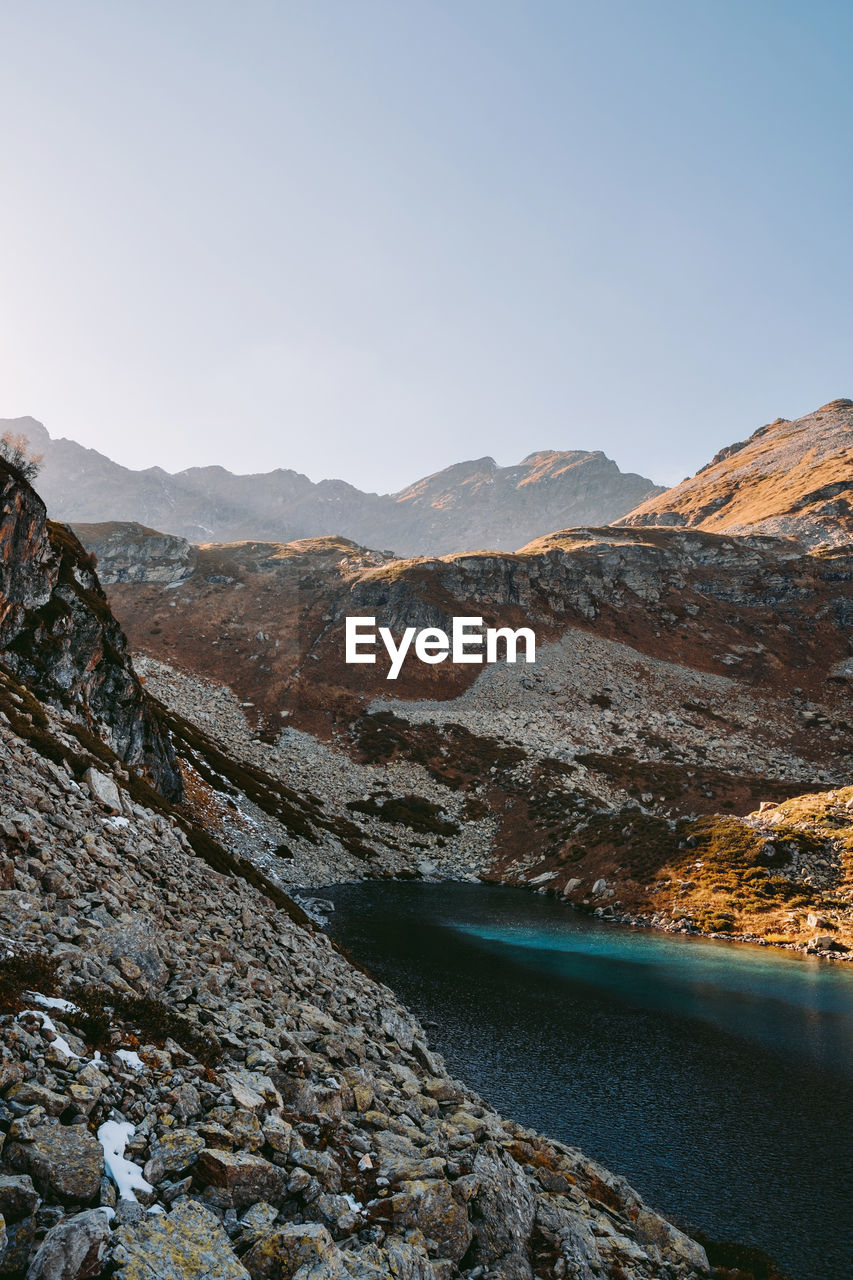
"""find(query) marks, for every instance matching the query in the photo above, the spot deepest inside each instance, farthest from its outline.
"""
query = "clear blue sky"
(368, 238)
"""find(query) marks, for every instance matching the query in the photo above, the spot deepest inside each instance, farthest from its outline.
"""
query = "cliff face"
(129, 552)
(58, 635)
(269, 618)
(472, 504)
(793, 478)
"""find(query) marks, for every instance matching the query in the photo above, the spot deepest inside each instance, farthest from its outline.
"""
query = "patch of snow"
(131, 1058)
(59, 1043)
(115, 822)
(113, 1136)
(53, 1002)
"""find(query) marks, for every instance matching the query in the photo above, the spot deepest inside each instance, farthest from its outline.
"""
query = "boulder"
(18, 1247)
(397, 1028)
(431, 1205)
(74, 1250)
(133, 947)
(178, 1149)
(103, 789)
(246, 1178)
(279, 1255)
(65, 1162)
(674, 1245)
(18, 1196)
(502, 1215)
(189, 1244)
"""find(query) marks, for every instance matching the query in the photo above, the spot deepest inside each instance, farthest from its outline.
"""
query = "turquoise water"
(717, 1077)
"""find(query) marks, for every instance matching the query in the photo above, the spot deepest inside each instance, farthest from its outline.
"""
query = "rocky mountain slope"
(472, 504)
(789, 478)
(57, 633)
(195, 1084)
(680, 675)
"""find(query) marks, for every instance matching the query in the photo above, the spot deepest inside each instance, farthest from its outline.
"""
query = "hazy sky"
(369, 238)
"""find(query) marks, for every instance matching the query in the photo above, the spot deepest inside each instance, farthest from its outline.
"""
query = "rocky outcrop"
(132, 553)
(58, 635)
(472, 504)
(790, 478)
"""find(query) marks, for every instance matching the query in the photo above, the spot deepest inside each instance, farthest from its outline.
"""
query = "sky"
(369, 238)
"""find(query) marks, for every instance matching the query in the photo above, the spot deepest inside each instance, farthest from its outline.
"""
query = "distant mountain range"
(464, 507)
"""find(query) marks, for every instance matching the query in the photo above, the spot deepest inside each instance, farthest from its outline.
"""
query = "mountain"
(196, 1083)
(472, 504)
(791, 478)
(682, 680)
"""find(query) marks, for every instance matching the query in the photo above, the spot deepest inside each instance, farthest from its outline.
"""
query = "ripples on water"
(718, 1078)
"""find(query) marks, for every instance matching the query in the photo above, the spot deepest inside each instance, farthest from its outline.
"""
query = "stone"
(188, 1244)
(73, 1250)
(103, 789)
(278, 1134)
(65, 1162)
(397, 1028)
(257, 1222)
(244, 1096)
(132, 947)
(31, 1094)
(674, 1245)
(279, 1255)
(502, 1215)
(18, 1196)
(177, 1150)
(20, 1238)
(246, 1178)
(431, 1205)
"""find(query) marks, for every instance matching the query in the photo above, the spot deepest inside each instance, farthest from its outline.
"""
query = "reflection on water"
(717, 1077)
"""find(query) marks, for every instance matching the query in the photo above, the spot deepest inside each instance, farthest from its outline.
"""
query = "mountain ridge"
(472, 503)
(791, 477)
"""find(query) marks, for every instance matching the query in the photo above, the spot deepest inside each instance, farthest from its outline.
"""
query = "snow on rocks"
(113, 1136)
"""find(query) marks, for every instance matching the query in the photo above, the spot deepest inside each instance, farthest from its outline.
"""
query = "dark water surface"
(718, 1078)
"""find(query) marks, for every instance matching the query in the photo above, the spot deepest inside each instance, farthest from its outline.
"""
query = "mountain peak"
(792, 477)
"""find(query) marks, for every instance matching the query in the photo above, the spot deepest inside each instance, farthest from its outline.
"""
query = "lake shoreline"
(606, 915)
(706, 1027)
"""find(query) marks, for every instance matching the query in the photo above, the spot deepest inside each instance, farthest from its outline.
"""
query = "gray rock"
(502, 1215)
(74, 1250)
(279, 1255)
(246, 1178)
(20, 1238)
(65, 1162)
(431, 1205)
(674, 1245)
(189, 1244)
(398, 1028)
(103, 789)
(18, 1196)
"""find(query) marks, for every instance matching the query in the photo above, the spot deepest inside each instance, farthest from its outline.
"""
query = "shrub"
(15, 452)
